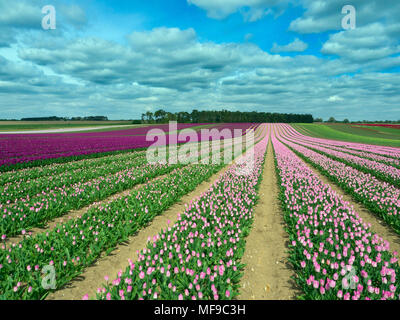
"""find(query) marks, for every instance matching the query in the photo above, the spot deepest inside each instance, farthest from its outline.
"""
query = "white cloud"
(162, 38)
(23, 18)
(172, 66)
(296, 46)
(363, 44)
(255, 14)
(323, 15)
(252, 10)
(20, 14)
(335, 99)
(73, 14)
(69, 74)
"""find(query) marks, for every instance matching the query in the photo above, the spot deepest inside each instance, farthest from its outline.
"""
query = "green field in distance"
(9, 126)
(352, 133)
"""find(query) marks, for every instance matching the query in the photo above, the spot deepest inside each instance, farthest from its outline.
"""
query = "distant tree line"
(91, 118)
(385, 121)
(224, 116)
(333, 120)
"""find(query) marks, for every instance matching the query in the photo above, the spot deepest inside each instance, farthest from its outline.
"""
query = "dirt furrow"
(267, 275)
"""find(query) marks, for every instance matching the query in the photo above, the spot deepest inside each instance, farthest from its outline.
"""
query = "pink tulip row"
(23, 190)
(292, 133)
(380, 197)
(381, 170)
(77, 243)
(199, 256)
(29, 211)
(335, 254)
(58, 169)
(389, 152)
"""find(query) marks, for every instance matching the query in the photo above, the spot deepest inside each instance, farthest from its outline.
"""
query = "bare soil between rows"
(267, 275)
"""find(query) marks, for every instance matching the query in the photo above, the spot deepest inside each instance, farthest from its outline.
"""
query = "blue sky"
(122, 58)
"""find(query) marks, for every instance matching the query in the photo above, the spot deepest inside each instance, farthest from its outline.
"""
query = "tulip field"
(335, 253)
(28, 150)
(69, 200)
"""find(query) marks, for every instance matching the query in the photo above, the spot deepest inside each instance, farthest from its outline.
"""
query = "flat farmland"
(11, 126)
(291, 216)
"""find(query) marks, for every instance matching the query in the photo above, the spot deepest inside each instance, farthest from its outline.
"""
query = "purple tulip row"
(58, 169)
(23, 148)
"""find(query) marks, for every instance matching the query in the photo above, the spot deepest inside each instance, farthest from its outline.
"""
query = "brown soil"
(93, 277)
(378, 225)
(267, 275)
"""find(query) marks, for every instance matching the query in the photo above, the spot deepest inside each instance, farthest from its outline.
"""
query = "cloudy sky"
(121, 58)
